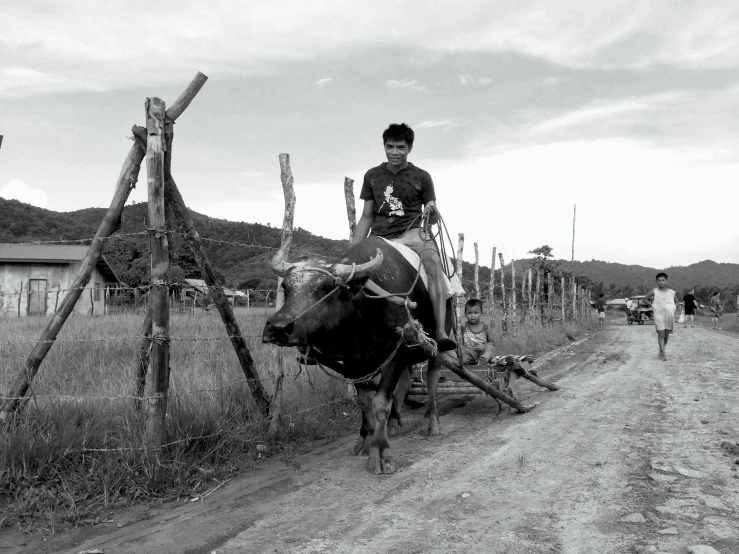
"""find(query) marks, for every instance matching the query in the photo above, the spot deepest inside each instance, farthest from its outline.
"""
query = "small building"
(35, 278)
(198, 289)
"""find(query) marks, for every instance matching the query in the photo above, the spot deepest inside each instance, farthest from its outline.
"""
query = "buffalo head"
(311, 308)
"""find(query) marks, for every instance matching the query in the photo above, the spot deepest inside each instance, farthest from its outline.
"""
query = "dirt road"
(626, 455)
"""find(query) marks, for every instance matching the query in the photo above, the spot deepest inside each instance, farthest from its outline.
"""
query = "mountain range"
(241, 258)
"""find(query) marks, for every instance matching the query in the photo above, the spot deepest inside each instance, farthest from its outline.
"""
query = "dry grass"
(48, 462)
(76, 449)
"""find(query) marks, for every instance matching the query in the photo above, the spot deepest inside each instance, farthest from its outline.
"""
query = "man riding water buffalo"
(329, 317)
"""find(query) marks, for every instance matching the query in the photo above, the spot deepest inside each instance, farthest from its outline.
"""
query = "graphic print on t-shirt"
(395, 205)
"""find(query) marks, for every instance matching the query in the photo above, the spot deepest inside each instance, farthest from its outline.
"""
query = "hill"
(242, 259)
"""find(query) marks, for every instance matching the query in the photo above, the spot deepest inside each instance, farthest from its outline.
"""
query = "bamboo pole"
(574, 298)
(563, 298)
(222, 304)
(351, 210)
(112, 220)
(513, 295)
(491, 289)
(459, 268)
(537, 299)
(550, 297)
(158, 371)
(286, 176)
(530, 295)
(504, 317)
(477, 271)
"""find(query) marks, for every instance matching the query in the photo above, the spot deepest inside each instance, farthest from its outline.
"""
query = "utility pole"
(572, 261)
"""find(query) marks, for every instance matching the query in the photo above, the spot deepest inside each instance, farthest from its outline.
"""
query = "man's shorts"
(601, 315)
(413, 240)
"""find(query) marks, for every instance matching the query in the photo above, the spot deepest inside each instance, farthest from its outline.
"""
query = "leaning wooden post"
(111, 222)
(158, 389)
(491, 288)
(513, 295)
(221, 301)
(504, 317)
(351, 210)
(56, 300)
(477, 271)
(286, 176)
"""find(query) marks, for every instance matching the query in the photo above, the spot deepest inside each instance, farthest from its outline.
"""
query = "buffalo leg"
(401, 390)
(380, 458)
(365, 395)
(432, 412)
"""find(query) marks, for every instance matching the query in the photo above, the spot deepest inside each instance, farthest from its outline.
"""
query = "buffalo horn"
(279, 265)
(344, 272)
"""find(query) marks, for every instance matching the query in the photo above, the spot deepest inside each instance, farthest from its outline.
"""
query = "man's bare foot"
(446, 344)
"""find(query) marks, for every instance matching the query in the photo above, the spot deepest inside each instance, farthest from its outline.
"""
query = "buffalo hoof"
(378, 464)
(362, 446)
(393, 427)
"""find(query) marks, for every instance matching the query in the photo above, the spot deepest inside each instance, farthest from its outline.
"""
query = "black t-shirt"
(399, 198)
(689, 300)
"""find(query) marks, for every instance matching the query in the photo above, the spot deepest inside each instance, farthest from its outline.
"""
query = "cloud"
(408, 84)
(473, 80)
(323, 82)
(431, 123)
(18, 190)
(226, 39)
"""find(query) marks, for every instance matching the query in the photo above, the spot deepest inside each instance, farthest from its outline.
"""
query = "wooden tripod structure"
(155, 142)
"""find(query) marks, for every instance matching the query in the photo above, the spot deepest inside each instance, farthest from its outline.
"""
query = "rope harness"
(412, 333)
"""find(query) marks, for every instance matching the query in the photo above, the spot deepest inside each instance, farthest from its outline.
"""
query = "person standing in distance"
(395, 194)
(691, 305)
(716, 309)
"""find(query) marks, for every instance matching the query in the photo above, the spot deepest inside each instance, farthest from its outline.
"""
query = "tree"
(543, 259)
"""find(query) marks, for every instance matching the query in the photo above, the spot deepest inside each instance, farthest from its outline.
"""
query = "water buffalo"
(326, 310)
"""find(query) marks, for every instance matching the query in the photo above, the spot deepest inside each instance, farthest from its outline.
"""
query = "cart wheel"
(630, 321)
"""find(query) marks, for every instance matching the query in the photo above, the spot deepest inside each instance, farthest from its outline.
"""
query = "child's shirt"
(664, 300)
(470, 338)
(716, 304)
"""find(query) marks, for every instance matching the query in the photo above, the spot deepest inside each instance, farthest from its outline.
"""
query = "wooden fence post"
(477, 271)
(20, 297)
(286, 176)
(563, 298)
(143, 360)
(491, 290)
(574, 298)
(92, 303)
(550, 297)
(530, 296)
(351, 210)
(537, 299)
(504, 318)
(159, 355)
(459, 269)
(513, 295)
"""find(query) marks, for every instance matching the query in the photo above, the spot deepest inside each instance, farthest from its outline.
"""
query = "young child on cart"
(477, 336)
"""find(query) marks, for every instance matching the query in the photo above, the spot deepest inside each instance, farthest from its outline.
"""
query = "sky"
(522, 109)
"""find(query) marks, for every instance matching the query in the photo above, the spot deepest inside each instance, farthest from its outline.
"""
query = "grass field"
(77, 447)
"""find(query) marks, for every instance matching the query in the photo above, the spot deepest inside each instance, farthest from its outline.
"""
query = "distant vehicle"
(639, 310)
